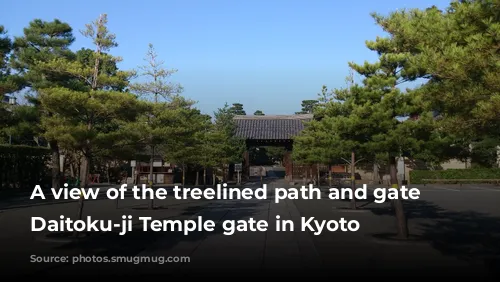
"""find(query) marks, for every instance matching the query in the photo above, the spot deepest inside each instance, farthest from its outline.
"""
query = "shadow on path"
(137, 240)
(467, 235)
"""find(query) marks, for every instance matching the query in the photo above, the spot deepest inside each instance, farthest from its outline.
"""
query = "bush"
(24, 166)
(416, 176)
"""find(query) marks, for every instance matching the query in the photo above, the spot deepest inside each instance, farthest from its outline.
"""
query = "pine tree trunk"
(197, 177)
(79, 216)
(225, 174)
(84, 168)
(304, 175)
(56, 165)
(204, 177)
(84, 172)
(317, 171)
(107, 172)
(402, 223)
(213, 178)
(353, 179)
(79, 172)
(310, 174)
(183, 175)
(329, 176)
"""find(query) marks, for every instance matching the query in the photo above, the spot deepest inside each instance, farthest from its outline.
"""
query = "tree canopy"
(82, 103)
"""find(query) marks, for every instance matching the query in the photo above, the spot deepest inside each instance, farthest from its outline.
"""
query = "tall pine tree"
(372, 118)
(43, 42)
(457, 51)
(93, 117)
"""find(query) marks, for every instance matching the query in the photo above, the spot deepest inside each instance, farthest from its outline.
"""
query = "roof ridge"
(270, 127)
(274, 117)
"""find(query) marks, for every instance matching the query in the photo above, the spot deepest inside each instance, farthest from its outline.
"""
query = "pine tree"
(204, 157)
(90, 118)
(185, 126)
(9, 84)
(369, 118)
(43, 42)
(456, 50)
(157, 85)
(237, 109)
(308, 106)
(229, 148)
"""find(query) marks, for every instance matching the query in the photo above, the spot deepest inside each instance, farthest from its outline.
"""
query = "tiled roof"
(270, 127)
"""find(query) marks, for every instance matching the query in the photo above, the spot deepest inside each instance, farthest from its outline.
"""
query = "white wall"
(454, 164)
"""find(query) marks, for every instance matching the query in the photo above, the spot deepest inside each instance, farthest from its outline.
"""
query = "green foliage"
(416, 176)
(457, 50)
(88, 113)
(269, 155)
(23, 167)
(89, 116)
(111, 77)
(308, 106)
(258, 113)
(84, 121)
(484, 153)
(23, 125)
(229, 148)
(237, 109)
(157, 85)
(316, 144)
(5, 48)
(207, 152)
(371, 118)
(184, 126)
(9, 82)
(43, 42)
(82, 100)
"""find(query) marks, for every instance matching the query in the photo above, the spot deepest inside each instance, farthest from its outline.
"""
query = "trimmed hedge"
(416, 176)
(23, 167)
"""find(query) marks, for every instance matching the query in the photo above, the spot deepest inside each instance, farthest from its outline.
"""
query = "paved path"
(276, 253)
(22, 200)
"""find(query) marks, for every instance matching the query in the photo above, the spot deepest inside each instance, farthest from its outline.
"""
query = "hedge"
(24, 166)
(416, 176)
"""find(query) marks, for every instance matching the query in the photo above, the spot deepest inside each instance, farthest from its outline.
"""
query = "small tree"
(308, 106)
(237, 109)
(230, 148)
(205, 153)
(276, 154)
(186, 137)
(157, 86)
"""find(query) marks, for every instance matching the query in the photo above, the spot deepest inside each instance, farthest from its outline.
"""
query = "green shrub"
(24, 166)
(416, 176)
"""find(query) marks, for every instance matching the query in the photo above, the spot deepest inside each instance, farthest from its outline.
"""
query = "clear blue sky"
(267, 55)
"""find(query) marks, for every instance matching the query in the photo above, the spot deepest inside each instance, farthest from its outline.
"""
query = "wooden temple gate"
(275, 130)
